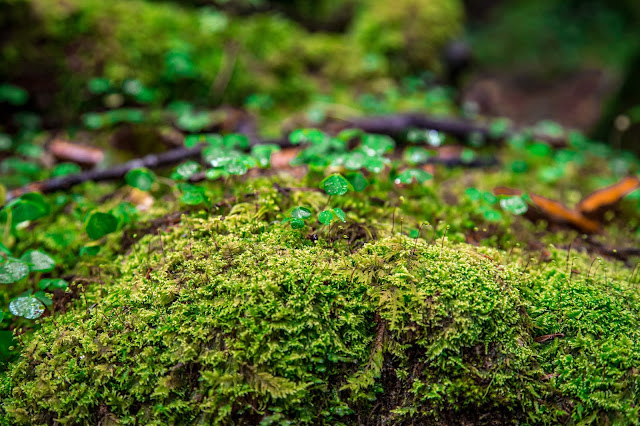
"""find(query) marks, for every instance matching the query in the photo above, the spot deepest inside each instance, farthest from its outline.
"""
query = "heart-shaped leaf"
(301, 213)
(335, 185)
(12, 271)
(140, 178)
(341, 214)
(100, 224)
(358, 181)
(297, 223)
(325, 217)
(27, 307)
(38, 261)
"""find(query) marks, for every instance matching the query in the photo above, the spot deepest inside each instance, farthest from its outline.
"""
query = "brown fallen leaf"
(584, 216)
(606, 197)
(75, 153)
(557, 212)
(281, 159)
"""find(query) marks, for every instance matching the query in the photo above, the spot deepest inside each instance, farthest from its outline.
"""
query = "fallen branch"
(397, 123)
(151, 161)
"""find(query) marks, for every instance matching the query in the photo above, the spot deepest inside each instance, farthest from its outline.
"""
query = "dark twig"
(398, 123)
(151, 161)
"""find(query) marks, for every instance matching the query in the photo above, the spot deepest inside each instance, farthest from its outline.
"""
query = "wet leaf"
(515, 205)
(12, 271)
(297, 223)
(185, 170)
(27, 307)
(325, 217)
(335, 185)
(408, 176)
(192, 198)
(416, 155)
(301, 213)
(341, 214)
(38, 261)
(358, 181)
(313, 136)
(376, 145)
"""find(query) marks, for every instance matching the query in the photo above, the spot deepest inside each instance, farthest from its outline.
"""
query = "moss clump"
(235, 319)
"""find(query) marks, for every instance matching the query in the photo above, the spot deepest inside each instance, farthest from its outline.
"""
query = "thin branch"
(397, 123)
(151, 161)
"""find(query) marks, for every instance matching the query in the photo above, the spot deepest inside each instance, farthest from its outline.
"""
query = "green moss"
(238, 318)
(232, 317)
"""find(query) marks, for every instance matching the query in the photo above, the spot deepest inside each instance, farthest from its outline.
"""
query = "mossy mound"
(237, 321)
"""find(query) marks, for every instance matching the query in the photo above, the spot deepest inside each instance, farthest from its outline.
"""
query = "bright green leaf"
(53, 283)
(297, 223)
(416, 155)
(515, 205)
(140, 178)
(90, 250)
(185, 170)
(100, 224)
(325, 217)
(376, 145)
(341, 214)
(313, 136)
(192, 198)
(335, 185)
(408, 176)
(65, 169)
(358, 181)
(300, 213)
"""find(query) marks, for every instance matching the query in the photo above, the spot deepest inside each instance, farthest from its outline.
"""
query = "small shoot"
(297, 216)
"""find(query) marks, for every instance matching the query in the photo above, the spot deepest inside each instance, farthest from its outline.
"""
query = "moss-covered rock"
(234, 319)
(237, 319)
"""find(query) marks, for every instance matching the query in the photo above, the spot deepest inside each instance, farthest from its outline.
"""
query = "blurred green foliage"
(65, 51)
